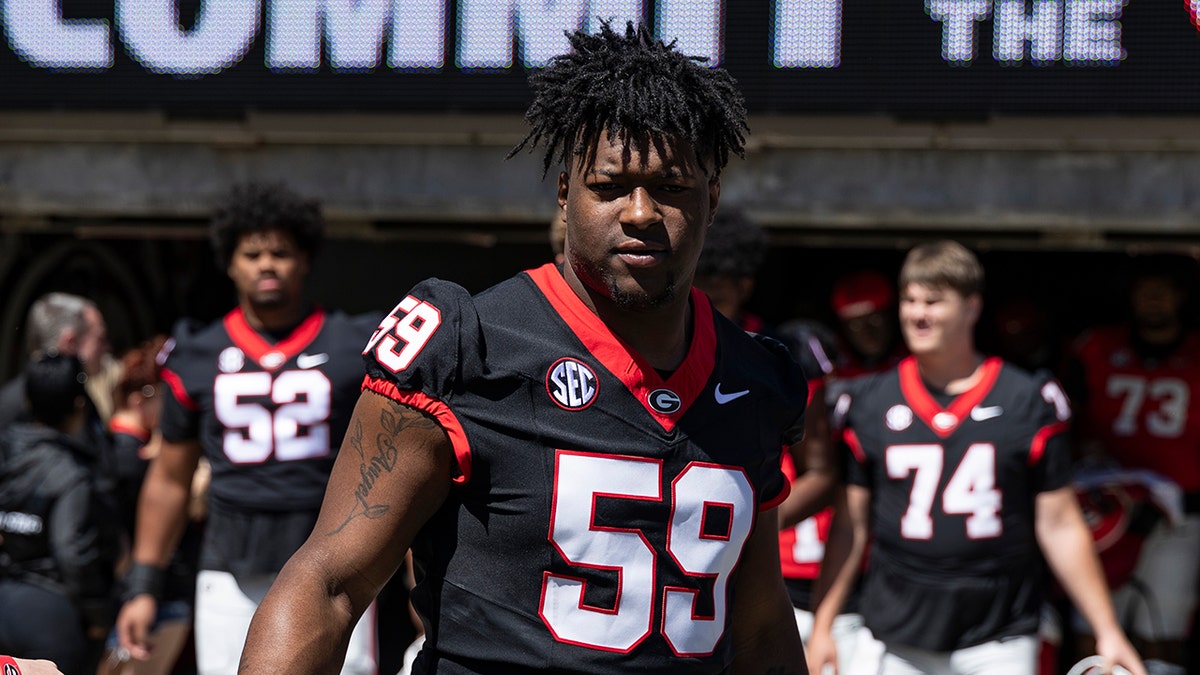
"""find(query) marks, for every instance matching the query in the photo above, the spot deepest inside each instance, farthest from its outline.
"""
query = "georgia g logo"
(664, 401)
(572, 384)
(10, 669)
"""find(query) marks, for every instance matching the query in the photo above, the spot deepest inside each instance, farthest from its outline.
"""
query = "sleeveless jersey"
(1145, 413)
(269, 416)
(954, 559)
(600, 511)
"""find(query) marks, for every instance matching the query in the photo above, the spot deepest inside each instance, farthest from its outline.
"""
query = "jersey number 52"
(294, 425)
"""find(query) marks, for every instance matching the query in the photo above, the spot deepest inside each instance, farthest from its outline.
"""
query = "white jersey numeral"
(296, 427)
(580, 479)
(970, 491)
(808, 547)
(403, 333)
(1167, 419)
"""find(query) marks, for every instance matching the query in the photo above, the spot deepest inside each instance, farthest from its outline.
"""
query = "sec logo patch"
(572, 384)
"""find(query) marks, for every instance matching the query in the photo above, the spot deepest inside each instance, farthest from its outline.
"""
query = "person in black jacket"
(57, 541)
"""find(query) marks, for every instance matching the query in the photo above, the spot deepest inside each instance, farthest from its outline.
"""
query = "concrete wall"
(1072, 180)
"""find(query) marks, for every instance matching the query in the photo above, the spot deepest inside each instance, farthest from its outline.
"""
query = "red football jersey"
(802, 546)
(1146, 413)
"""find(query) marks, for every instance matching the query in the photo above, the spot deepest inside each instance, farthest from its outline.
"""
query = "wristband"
(143, 578)
(8, 666)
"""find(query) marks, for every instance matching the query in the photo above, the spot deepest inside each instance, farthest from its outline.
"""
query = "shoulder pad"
(430, 342)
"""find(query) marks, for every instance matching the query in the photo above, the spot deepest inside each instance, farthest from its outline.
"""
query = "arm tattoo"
(393, 421)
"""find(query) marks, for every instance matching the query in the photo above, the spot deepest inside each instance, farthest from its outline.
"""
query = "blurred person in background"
(1021, 334)
(864, 303)
(1136, 389)
(734, 249)
(958, 472)
(58, 541)
(137, 405)
(265, 394)
(73, 326)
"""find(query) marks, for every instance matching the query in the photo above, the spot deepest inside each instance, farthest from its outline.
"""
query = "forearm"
(303, 625)
(810, 493)
(840, 567)
(1070, 553)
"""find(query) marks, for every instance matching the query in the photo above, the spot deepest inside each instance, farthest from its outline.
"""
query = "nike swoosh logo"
(311, 360)
(722, 399)
(979, 413)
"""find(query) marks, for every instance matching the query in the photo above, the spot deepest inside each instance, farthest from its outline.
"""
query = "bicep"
(1055, 509)
(393, 471)
(175, 463)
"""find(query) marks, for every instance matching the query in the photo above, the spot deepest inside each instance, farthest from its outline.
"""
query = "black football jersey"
(270, 416)
(953, 479)
(600, 511)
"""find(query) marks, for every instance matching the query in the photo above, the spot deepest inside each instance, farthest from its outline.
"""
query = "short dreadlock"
(634, 87)
(259, 207)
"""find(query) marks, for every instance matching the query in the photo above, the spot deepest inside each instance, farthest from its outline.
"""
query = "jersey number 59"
(582, 478)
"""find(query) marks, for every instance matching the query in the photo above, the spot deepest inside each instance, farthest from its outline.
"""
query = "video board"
(900, 57)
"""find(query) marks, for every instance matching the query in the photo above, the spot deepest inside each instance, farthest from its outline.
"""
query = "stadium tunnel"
(114, 206)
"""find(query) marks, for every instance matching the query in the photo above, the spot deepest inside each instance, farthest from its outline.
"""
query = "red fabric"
(1145, 415)
(8, 666)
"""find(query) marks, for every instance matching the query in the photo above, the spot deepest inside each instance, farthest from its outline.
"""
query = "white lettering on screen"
(220, 38)
(1078, 32)
(38, 34)
(407, 35)
(808, 33)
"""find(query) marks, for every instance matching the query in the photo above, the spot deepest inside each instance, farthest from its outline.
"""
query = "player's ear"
(564, 182)
(974, 307)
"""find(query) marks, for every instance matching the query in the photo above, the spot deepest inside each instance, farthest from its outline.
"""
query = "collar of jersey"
(256, 347)
(688, 381)
(924, 405)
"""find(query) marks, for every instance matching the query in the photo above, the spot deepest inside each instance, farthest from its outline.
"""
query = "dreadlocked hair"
(634, 87)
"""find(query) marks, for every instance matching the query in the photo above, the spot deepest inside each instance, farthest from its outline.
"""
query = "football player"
(265, 394)
(1132, 386)
(586, 460)
(959, 474)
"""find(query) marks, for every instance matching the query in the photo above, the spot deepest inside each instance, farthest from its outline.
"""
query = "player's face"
(1156, 302)
(268, 269)
(870, 335)
(91, 346)
(636, 220)
(937, 319)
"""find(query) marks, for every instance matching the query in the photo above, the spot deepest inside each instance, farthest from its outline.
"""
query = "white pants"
(1162, 598)
(1011, 656)
(224, 607)
(857, 649)
(1158, 602)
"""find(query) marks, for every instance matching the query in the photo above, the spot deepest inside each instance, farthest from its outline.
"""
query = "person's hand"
(134, 624)
(1117, 650)
(37, 667)
(821, 651)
